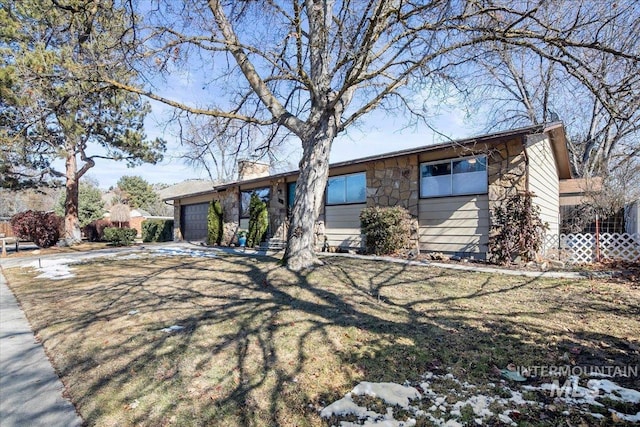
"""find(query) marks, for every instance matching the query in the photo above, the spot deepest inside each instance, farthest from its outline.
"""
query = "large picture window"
(345, 189)
(454, 177)
(245, 199)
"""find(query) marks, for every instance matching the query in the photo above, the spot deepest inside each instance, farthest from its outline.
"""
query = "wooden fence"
(5, 229)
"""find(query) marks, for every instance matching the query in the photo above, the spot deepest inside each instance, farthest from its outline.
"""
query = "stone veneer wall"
(230, 201)
(507, 170)
(177, 235)
(394, 182)
(278, 210)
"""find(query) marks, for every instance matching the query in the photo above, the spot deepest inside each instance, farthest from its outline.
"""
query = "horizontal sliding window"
(345, 189)
(454, 177)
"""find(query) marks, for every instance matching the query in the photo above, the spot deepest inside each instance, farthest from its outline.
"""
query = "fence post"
(597, 238)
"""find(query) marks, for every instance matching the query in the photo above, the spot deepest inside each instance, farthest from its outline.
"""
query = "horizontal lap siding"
(543, 181)
(342, 225)
(454, 224)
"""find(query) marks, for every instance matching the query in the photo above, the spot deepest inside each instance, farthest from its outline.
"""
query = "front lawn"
(255, 344)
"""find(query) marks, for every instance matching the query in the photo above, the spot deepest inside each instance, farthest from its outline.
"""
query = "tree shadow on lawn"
(264, 346)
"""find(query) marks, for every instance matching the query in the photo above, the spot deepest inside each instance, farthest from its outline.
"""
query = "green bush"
(516, 230)
(214, 223)
(386, 230)
(258, 221)
(120, 236)
(157, 230)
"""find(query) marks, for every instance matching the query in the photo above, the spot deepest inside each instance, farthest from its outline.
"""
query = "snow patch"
(172, 328)
(177, 251)
(54, 269)
(442, 411)
(393, 394)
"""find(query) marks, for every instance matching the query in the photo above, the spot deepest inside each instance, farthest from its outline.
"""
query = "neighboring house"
(577, 215)
(450, 188)
(137, 217)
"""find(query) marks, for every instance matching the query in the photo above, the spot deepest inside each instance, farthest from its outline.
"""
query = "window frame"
(451, 174)
(290, 193)
(346, 202)
(251, 191)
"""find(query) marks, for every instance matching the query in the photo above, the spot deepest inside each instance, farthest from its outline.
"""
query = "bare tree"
(216, 145)
(316, 67)
(599, 102)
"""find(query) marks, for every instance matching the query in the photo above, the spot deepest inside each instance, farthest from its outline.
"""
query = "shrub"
(214, 223)
(157, 230)
(94, 231)
(120, 236)
(258, 221)
(41, 228)
(386, 230)
(516, 229)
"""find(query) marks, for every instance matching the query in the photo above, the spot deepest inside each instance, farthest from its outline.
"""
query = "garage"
(193, 220)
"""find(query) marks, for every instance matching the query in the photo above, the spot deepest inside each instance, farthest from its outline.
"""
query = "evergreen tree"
(137, 193)
(258, 220)
(90, 204)
(56, 107)
(214, 223)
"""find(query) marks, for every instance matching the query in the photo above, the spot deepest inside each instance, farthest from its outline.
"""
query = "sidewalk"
(30, 390)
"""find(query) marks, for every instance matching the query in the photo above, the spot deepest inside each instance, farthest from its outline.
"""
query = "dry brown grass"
(265, 346)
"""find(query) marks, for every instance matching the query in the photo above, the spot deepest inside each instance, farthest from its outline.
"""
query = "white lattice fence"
(581, 248)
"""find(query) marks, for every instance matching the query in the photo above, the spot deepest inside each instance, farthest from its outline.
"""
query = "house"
(449, 188)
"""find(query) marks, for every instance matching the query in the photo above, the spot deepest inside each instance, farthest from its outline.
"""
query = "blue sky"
(378, 133)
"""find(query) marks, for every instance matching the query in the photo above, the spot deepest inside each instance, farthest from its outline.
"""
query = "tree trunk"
(71, 222)
(312, 181)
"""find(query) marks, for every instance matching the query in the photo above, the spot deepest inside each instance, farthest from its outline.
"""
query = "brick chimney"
(250, 169)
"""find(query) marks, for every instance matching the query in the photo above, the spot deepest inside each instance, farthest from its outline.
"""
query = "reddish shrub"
(41, 228)
(94, 231)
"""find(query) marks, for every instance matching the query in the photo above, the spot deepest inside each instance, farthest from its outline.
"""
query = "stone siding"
(507, 170)
(394, 182)
(230, 201)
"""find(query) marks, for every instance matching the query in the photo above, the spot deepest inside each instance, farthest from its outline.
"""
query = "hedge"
(120, 236)
(157, 230)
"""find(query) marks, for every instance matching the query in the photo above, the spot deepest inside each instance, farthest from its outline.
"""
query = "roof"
(188, 187)
(555, 130)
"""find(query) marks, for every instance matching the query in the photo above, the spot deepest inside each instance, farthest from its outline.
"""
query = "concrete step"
(273, 245)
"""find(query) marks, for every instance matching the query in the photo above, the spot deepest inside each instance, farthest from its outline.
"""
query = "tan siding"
(543, 180)
(454, 224)
(342, 225)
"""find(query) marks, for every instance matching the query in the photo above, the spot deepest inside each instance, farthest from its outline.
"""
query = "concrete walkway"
(30, 390)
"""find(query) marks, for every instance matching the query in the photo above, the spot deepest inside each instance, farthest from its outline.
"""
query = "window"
(291, 194)
(245, 199)
(454, 177)
(345, 189)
